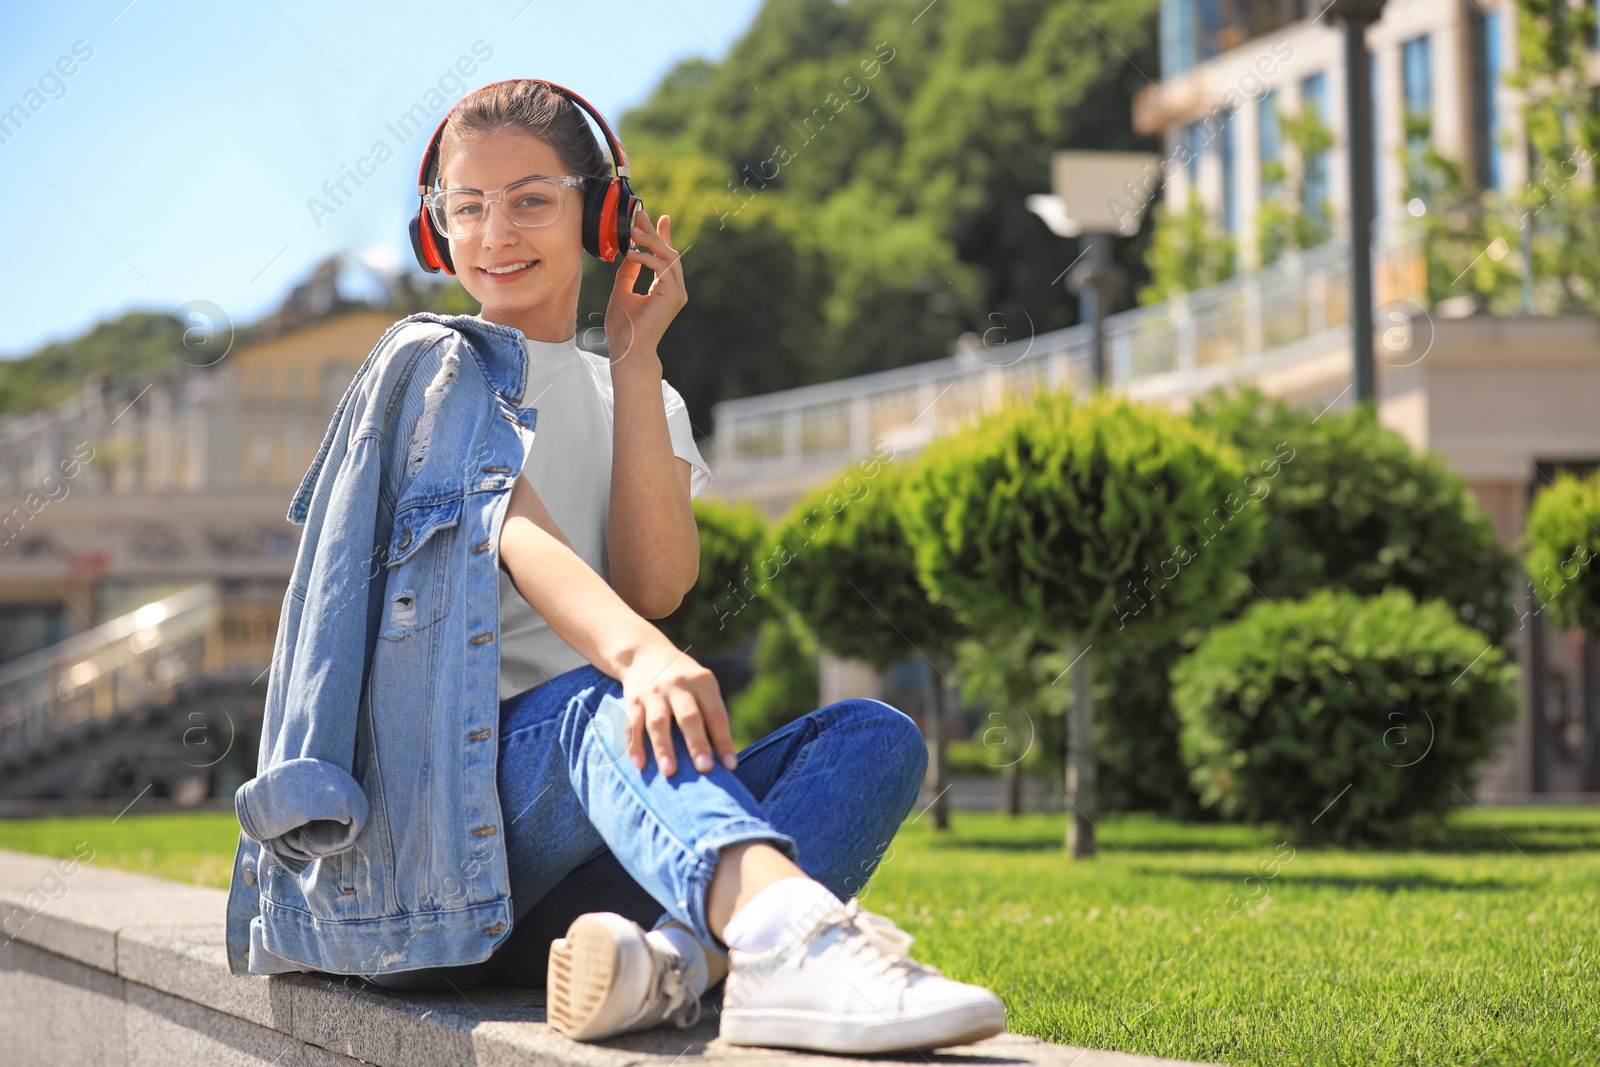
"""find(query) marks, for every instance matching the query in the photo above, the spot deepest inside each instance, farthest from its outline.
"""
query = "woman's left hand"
(636, 321)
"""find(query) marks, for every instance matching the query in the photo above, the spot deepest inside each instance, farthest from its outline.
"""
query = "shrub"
(722, 609)
(1563, 539)
(1351, 504)
(1347, 504)
(1285, 707)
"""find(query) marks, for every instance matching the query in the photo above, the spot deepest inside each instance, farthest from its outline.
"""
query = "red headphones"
(608, 204)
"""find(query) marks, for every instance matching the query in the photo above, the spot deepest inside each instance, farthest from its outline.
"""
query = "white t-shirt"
(569, 465)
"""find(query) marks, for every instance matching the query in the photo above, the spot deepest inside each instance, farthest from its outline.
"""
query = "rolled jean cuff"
(731, 832)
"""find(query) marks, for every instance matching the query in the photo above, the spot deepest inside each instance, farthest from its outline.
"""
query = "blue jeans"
(587, 831)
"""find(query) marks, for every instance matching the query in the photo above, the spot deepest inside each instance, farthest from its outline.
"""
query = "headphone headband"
(428, 173)
(609, 204)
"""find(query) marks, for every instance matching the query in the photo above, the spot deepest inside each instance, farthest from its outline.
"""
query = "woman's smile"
(508, 270)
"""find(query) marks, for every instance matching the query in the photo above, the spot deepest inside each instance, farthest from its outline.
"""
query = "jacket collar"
(499, 350)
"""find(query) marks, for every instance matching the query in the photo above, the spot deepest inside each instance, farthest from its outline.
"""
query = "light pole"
(1096, 195)
(1357, 15)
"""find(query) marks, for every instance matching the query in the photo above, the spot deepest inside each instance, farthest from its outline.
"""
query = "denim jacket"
(370, 836)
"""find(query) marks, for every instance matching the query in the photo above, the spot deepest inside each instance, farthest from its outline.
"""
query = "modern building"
(1232, 72)
(1507, 401)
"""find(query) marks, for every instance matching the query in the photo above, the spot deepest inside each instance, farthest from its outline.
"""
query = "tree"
(842, 562)
(902, 140)
(1062, 516)
(720, 612)
(1563, 539)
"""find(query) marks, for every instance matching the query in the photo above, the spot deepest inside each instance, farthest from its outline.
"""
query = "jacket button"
(249, 876)
(479, 735)
(406, 540)
(483, 831)
(495, 929)
(481, 638)
(487, 544)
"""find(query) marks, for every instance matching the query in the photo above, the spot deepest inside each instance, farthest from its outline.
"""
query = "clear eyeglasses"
(529, 203)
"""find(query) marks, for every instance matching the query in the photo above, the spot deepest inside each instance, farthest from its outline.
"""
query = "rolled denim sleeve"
(305, 801)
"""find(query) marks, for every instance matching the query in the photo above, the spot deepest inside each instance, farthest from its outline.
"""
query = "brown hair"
(535, 108)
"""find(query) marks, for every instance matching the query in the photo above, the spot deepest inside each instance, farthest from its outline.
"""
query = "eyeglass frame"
(566, 181)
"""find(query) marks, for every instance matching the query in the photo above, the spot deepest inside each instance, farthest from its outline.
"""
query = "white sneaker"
(606, 977)
(843, 983)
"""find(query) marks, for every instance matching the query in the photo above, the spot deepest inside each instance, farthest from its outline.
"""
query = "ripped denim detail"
(417, 449)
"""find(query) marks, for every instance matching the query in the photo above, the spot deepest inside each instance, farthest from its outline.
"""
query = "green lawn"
(1478, 947)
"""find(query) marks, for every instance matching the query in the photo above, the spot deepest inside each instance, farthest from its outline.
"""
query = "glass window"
(1416, 78)
(1314, 191)
(1267, 142)
(1194, 139)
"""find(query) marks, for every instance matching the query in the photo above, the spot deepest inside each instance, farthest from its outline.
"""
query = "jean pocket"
(419, 578)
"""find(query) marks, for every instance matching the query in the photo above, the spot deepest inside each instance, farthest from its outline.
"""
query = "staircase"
(168, 694)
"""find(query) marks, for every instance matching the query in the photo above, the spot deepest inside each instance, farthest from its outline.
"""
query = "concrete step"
(110, 969)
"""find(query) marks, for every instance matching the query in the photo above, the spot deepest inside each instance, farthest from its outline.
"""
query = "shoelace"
(869, 931)
(672, 985)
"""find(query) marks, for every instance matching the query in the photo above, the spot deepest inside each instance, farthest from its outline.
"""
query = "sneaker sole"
(581, 995)
(861, 1033)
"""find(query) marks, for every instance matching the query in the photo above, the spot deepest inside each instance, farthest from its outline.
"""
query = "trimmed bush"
(841, 561)
(722, 609)
(1091, 518)
(1349, 503)
(1285, 707)
(1563, 539)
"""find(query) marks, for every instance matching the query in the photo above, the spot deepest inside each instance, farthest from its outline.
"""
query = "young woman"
(626, 802)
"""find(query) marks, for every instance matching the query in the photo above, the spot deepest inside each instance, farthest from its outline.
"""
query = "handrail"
(1293, 308)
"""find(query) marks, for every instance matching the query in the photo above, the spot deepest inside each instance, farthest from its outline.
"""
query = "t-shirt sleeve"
(682, 434)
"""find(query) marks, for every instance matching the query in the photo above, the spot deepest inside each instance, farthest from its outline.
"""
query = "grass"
(1477, 946)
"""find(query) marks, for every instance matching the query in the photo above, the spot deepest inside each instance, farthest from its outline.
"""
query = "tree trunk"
(1011, 780)
(1080, 755)
(937, 737)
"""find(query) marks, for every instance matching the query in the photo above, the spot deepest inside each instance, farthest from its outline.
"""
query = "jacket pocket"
(417, 591)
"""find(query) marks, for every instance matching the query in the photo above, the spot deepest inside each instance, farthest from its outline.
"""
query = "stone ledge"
(123, 969)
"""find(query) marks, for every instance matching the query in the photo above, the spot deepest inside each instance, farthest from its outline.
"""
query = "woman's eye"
(460, 210)
(531, 200)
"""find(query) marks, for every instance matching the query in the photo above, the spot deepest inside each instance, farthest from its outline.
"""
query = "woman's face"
(546, 261)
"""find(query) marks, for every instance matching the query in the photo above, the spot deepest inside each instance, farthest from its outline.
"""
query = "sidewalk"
(112, 969)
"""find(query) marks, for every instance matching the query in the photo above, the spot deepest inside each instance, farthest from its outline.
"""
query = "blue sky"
(176, 160)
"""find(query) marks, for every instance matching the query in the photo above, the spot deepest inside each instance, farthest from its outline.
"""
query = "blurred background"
(878, 203)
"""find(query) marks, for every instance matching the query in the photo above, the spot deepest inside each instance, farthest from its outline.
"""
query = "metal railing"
(1295, 308)
(131, 662)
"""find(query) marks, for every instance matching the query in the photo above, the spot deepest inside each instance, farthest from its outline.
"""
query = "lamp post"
(1357, 15)
(1096, 195)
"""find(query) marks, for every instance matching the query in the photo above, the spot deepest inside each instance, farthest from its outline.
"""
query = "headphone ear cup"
(594, 202)
(418, 245)
(435, 246)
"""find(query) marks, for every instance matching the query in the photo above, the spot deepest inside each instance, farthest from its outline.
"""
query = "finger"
(716, 720)
(658, 724)
(635, 738)
(655, 263)
(686, 709)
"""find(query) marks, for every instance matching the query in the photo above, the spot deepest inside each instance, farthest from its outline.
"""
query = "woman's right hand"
(662, 684)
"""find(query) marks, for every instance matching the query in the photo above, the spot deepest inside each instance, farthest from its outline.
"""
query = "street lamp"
(1096, 195)
(1357, 15)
